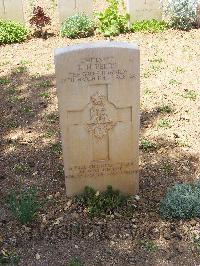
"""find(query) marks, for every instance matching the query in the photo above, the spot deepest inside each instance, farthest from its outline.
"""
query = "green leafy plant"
(24, 205)
(165, 109)
(4, 81)
(196, 244)
(12, 91)
(164, 123)
(12, 124)
(13, 96)
(56, 148)
(51, 118)
(101, 204)
(50, 133)
(12, 32)
(190, 94)
(182, 14)
(180, 69)
(45, 95)
(167, 168)
(182, 201)
(149, 26)
(26, 109)
(148, 245)
(14, 99)
(8, 258)
(75, 262)
(110, 21)
(77, 26)
(21, 69)
(44, 84)
(182, 142)
(20, 168)
(147, 145)
(147, 91)
(174, 82)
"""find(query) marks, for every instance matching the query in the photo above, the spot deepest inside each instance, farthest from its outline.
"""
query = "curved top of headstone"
(90, 45)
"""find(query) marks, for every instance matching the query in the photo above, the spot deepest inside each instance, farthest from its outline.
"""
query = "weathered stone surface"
(144, 9)
(11, 10)
(98, 94)
(70, 7)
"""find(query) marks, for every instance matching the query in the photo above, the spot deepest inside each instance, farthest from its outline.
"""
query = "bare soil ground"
(31, 155)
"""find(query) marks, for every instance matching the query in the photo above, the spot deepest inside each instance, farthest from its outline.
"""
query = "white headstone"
(98, 94)
(70, 7)
(11, 10)
(144, 9)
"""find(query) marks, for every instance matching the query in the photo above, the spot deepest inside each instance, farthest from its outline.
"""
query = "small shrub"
(182, 14)
(110, 21)
(77, 26)
(12, 32)
(100, 204)
(39, 20)
(149, 26)
(182, 201)
(24, 205)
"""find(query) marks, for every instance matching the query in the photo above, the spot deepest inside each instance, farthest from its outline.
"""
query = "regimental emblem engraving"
(100, 122)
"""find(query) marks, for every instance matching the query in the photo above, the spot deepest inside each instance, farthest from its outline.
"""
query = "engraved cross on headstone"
(100, 117)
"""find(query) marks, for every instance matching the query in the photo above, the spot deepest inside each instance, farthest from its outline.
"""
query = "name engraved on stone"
(98, 69)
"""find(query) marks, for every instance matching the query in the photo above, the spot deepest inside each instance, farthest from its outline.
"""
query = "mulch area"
(31, 155)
